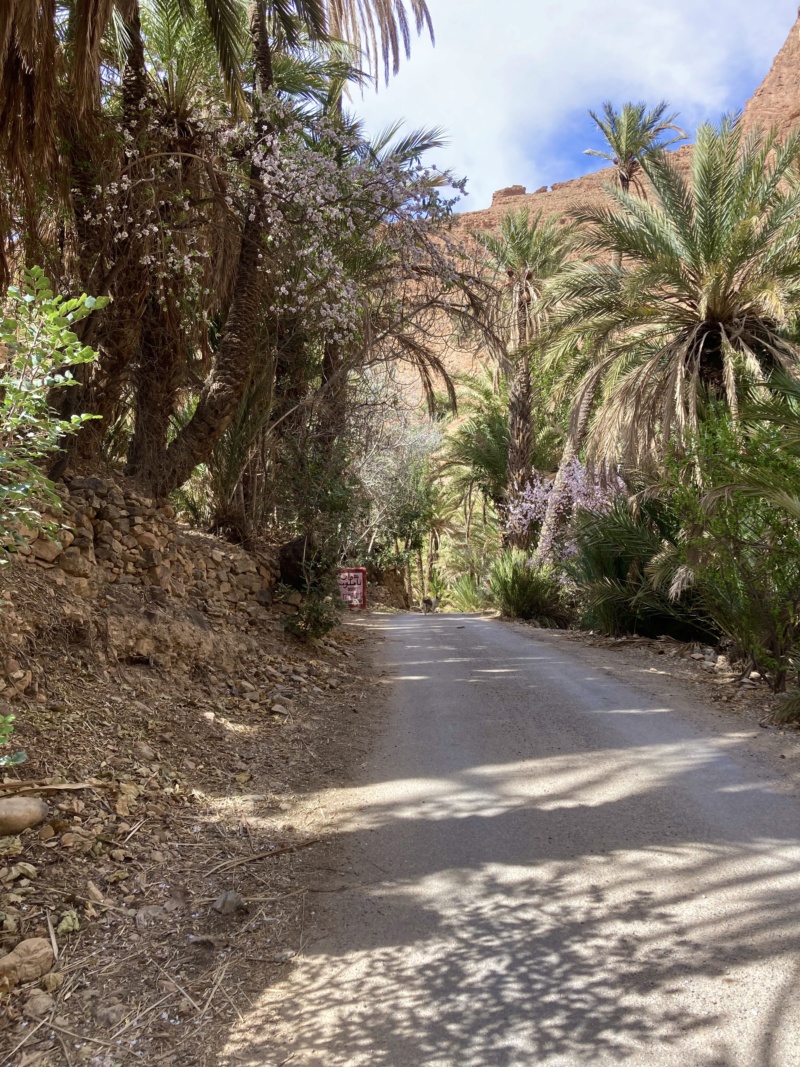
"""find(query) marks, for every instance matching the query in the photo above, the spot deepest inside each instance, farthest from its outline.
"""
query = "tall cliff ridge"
(776, 102)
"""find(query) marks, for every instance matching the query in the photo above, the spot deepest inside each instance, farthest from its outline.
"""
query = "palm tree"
(631, 134)
(379, 29)
(712, 286)
(474, 454)
(703, 305)
(530, 251)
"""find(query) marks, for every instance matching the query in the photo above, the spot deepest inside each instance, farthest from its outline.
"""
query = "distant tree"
(529, 250)
(631, 134)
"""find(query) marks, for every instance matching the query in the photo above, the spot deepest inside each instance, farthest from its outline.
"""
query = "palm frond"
(702, 303)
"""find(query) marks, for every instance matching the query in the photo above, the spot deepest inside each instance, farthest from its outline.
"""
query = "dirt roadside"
(191, 868)
(165, 875)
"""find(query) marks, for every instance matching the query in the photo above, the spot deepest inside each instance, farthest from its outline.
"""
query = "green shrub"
(612, 571)
(523, 591)
(466, 595)
(739, 550)
(39, 350)
(788, 711)
(437, 586)
(317, 616)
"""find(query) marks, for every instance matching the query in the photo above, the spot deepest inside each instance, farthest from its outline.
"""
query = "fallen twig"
(229, 864)
(22, 788)
(86, 900)
(52, 932)
(220, 975)
(79, 1037)
(230, 1000)
(64, 1049)
(256, 900)
(177, 984)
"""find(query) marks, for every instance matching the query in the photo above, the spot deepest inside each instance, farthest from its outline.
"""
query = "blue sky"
(512, 80)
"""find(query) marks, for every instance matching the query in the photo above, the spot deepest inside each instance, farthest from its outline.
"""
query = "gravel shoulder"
(165, 871)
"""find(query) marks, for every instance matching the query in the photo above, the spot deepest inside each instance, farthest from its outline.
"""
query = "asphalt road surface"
(545, 866)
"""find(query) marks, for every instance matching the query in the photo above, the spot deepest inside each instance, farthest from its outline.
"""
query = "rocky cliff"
(776, 102)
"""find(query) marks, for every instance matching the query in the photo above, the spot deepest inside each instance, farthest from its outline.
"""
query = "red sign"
(353, 586)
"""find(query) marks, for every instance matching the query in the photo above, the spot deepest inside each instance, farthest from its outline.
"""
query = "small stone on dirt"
(283, 957)
(28, 961)
(52, 981)
(110, 1014)
(149, 914)
(20, 813)
(228, 903)
(38, 1005)
(144, 751)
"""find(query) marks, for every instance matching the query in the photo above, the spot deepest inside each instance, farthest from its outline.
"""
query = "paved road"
(549, 868)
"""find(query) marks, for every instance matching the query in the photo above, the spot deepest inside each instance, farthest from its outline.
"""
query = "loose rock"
(38, 1005)
(29, 960)
(228, 903)
(110, 1014)
(144, 751)
(20, 813)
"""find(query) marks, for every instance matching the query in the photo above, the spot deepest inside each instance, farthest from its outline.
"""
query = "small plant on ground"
(316, 616)
(466, 595)
(6, 730)
(523, 590)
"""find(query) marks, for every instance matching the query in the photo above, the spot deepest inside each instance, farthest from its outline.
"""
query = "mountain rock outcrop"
(776, 102)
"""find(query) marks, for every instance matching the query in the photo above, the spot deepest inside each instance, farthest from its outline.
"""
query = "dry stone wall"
(111, 535)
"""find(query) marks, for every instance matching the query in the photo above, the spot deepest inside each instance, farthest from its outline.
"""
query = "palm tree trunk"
(520, 431)
(556, 514)
(520, 439)
(115, 333)
(420, 575)
(432, 553)
(625, 184)
(334, 377)
(520, 423)
(157, 376)
(234, 358)
(226, 382)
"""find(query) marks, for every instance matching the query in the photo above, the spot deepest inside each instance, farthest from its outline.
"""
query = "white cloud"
(511, 81)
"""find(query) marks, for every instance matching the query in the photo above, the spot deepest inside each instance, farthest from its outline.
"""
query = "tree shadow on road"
(557, 909)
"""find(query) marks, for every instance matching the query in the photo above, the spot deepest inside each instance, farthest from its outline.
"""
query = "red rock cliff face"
(775, 103)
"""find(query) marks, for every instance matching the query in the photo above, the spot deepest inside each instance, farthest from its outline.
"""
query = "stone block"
(45, 550)
(73, 563)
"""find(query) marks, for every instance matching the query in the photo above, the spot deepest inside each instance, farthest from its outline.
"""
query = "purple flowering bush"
(578, 489)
